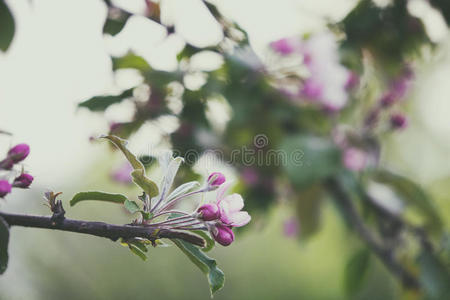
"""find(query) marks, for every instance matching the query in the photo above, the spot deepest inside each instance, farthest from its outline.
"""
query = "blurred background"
(60, 57)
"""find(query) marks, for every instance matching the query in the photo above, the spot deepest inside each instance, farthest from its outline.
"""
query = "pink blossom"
(354, 159)
(328, 81)
(230, 208)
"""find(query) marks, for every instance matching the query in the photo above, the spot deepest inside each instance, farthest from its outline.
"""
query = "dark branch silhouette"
(100, 229)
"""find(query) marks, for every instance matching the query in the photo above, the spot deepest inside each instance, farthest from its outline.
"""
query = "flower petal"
(239, 219)
(234, 202)
(222, 190)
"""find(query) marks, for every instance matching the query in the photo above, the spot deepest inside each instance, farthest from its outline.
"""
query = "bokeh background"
(60, 57)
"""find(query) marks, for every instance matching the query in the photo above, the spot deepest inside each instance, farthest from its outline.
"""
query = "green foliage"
(210, 243)
(7, 26)
(308, 209)
(99, 196)
(311, 158)
(394, 33)
(207, 265)
(131, 206)
(147, 185)
(130, 61)
(413, 195)
(114, 24)
(4, 241)
(100, 103)
(434, 275)
(356, 271)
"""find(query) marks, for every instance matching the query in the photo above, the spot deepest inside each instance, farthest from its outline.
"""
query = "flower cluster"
(327, 82)
(10, 178)
(218, 217)
(224, 214)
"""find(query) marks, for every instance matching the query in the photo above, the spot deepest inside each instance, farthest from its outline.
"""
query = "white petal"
(222, 190)
(234, 202)
(239, 219)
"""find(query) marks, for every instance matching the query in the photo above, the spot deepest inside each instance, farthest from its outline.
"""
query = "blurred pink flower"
(286, 46)
(329, 80)
(250, 176)
(291, 227)
(354, 159)
(123, 173)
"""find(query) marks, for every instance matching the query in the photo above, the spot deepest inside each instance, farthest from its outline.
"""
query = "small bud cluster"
(23, 180)
(396, 92)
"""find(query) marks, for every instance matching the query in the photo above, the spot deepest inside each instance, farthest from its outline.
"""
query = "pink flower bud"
(19, 152)
(223, 235)
(354, 159)
(398, 121)
(23, 181)
(215, 179)
(6, 164)
(209, 212)
(5, 188)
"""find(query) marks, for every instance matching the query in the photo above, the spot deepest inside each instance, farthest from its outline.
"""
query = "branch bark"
(384, 253)
(100, 229)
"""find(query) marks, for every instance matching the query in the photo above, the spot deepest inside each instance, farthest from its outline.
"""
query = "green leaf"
(182, 189)
(137, 251)
(210, 243)
(101, 103)
(207, 265)
(122, 146)
(131, 206)
(149, 186)
(114, 25)
(7, 26)
(434, 276)
(99, 196)
(310, 159)
(4, 241)
(131, 61)
(411, 193)
(356, 271)
(138, 175)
